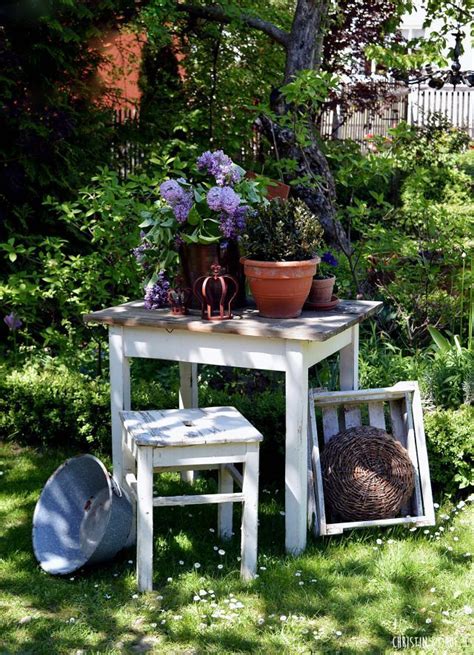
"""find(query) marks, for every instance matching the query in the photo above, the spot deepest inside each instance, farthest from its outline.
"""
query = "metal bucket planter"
(81, 517)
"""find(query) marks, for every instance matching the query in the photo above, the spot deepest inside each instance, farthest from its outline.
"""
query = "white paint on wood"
(423, 457)
(412, 452)
(363, 395)
(249, 529)
(224, 512)
(237, 477)
(349, 362)
(197, 499)
(397, 419)
(330, 422)
(119, 396)
(337, 528)
(352, 417)
(204, 348)
(320, 519)
(188, 397)
(185, 427)
(377, 415)
(296, 499)
(145, 520)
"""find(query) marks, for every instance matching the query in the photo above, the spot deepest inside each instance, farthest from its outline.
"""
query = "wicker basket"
(367, 475)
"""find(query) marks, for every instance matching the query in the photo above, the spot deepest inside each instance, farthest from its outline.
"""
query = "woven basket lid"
(367, 475)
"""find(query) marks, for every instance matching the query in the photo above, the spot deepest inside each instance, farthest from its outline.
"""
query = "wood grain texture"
(189, 427)
(311, 326)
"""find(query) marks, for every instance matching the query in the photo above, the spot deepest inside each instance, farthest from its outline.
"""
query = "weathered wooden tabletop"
(311, 325)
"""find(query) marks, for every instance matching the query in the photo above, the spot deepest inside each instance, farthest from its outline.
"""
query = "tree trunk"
(305, 42)
(304, 51)
(312, 164)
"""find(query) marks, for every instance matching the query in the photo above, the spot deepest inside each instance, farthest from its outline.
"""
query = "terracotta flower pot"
(279, 288)
(321, 290)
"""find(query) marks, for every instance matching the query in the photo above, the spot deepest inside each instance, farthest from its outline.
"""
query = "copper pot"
(196, 261)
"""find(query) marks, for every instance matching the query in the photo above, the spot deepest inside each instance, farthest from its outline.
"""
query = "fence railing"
(415, 106)
(457, 105)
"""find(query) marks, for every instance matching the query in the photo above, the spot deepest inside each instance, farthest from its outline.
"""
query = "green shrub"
(48, 404)
(450, 442)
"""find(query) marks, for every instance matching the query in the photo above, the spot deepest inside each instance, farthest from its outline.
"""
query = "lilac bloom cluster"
(221, 166)
(233, 224)
(139, 251)
(12, 322)
(178, 198)
(227, 201)
(156, 295)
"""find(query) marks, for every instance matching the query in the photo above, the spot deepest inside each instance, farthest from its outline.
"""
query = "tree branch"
(218, 15)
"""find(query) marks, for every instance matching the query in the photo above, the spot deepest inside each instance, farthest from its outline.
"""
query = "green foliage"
(408, 208)
(56, 280)
(450, 440)
(49, 405)
(229, 69)
(282, 231)
(450, 374)
(383, 364)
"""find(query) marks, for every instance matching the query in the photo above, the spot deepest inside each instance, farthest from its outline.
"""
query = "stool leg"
(250, 514)
(145, 518)
(224, 511)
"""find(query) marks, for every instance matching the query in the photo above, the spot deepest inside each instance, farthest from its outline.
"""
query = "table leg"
(296, 449)
(188, 388)
(225, 510)
(349, 362)
(119, 396)
(188, 397)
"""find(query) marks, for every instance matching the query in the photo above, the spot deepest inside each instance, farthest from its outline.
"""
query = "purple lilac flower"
(240, 216)
(178, 241)
(179, 200)
(181, 209)
(221, 166)
(328, 258)
(139, 251)
(172, 192)
(156, 295)
(223, 198)
(13, 322)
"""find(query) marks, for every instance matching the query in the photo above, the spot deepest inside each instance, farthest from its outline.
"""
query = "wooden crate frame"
(341, 410)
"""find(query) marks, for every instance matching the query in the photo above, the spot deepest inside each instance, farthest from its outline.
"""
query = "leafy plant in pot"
(280, 242)
(322, 287)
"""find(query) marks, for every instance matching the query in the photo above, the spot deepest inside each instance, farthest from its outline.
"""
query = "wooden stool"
(192, 439)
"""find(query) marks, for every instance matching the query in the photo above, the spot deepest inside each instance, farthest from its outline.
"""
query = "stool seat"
(186, 427)
(186, 440)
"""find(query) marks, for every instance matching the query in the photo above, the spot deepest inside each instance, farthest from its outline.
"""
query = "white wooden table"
(249, 341)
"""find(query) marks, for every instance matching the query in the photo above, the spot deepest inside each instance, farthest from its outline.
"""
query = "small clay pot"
(321, 290)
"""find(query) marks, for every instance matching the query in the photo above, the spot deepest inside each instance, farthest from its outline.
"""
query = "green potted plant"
(280, 242)
(322, 287)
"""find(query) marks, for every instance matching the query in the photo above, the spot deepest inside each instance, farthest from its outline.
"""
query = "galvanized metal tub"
(81, 517)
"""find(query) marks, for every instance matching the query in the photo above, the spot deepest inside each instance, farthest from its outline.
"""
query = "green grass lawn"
(365, 592)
